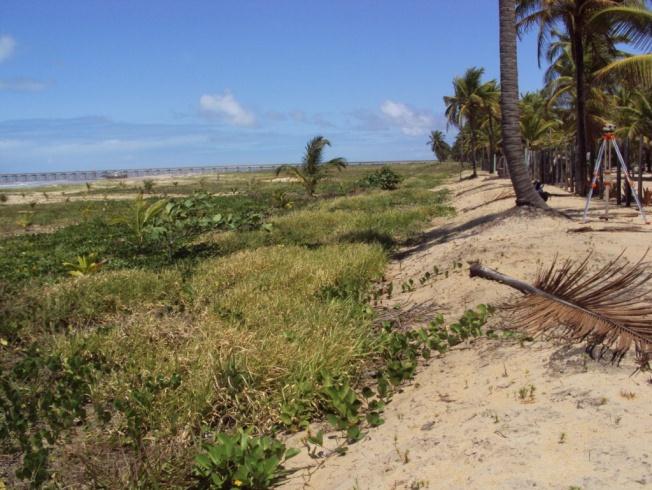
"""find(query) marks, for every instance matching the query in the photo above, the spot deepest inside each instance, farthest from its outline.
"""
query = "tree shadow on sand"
(447, 233)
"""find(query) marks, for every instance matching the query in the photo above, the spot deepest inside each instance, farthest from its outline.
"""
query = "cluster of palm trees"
(591, 79)
(474, 110)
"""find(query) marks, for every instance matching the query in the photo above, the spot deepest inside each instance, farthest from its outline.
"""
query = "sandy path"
(462, 422)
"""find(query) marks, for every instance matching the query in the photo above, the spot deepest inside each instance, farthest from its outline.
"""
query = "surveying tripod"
(604, 160)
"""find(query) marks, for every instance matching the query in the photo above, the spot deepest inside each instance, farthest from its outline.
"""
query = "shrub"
(3, 197)
(384, 178)
(241, 460)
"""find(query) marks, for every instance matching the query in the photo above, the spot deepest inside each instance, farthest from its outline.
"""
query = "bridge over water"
(92, 175)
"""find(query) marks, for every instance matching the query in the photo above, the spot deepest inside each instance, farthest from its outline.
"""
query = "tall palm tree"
(512, 145)
(560, 83)
(575, 18)
(468, 104)
(438, 145)
(313, 168)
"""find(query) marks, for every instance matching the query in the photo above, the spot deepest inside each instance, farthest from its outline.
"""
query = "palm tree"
(512, 145)
(634, 22)
(438, 145)
(560, 82)
(468, 104)
(535, 130)
(492, 114)
(313, 168)
(636, 118)
(575, 18)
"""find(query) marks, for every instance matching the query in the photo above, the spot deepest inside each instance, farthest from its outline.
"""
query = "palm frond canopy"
(313, 168)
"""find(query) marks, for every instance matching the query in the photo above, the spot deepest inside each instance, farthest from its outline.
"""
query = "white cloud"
(411, 122)
(226, 107)
(22, 85)
(7, 46)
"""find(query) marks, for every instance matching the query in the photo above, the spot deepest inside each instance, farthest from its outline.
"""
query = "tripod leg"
(629, 180)
(596, 172)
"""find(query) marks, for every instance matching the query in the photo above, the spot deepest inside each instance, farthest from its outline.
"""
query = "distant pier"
(93, 175)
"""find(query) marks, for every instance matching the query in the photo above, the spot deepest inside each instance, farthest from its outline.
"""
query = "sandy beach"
(464, 422)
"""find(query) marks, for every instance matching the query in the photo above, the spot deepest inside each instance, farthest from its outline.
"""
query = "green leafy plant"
(182, 219)
(343, 407)
(85, 265)
(241, 460)
(408, 286)
(141, 216)
(35, 414)
(297, 409)
(384, 178)
(4, 198)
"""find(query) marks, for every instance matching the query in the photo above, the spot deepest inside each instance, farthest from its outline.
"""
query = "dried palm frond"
(405, 314)
(608, 309)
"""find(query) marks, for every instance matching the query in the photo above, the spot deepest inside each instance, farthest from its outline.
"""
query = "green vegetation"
(384, 178)
(257, 317)
(241, 460)
(313, 169)
(85, 265)
(53, 215)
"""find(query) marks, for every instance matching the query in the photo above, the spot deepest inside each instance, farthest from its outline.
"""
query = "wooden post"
(619, 186)
(628, 190)
(640, 166)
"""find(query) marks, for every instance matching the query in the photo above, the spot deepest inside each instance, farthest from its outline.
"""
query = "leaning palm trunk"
(512, 144)
(607, 309)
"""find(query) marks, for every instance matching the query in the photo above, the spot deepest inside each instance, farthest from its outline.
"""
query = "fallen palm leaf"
(607, 309)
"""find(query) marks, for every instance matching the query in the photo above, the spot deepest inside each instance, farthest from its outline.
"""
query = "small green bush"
(241, 460)
(4, 198)
(148, 185)
(384, 178)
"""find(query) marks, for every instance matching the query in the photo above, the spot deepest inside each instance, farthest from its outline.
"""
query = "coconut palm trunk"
(580, 106)
(474, 153)
(512, 144)
(492, 144)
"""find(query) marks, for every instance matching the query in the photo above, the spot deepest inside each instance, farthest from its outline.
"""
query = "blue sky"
(119, 84)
